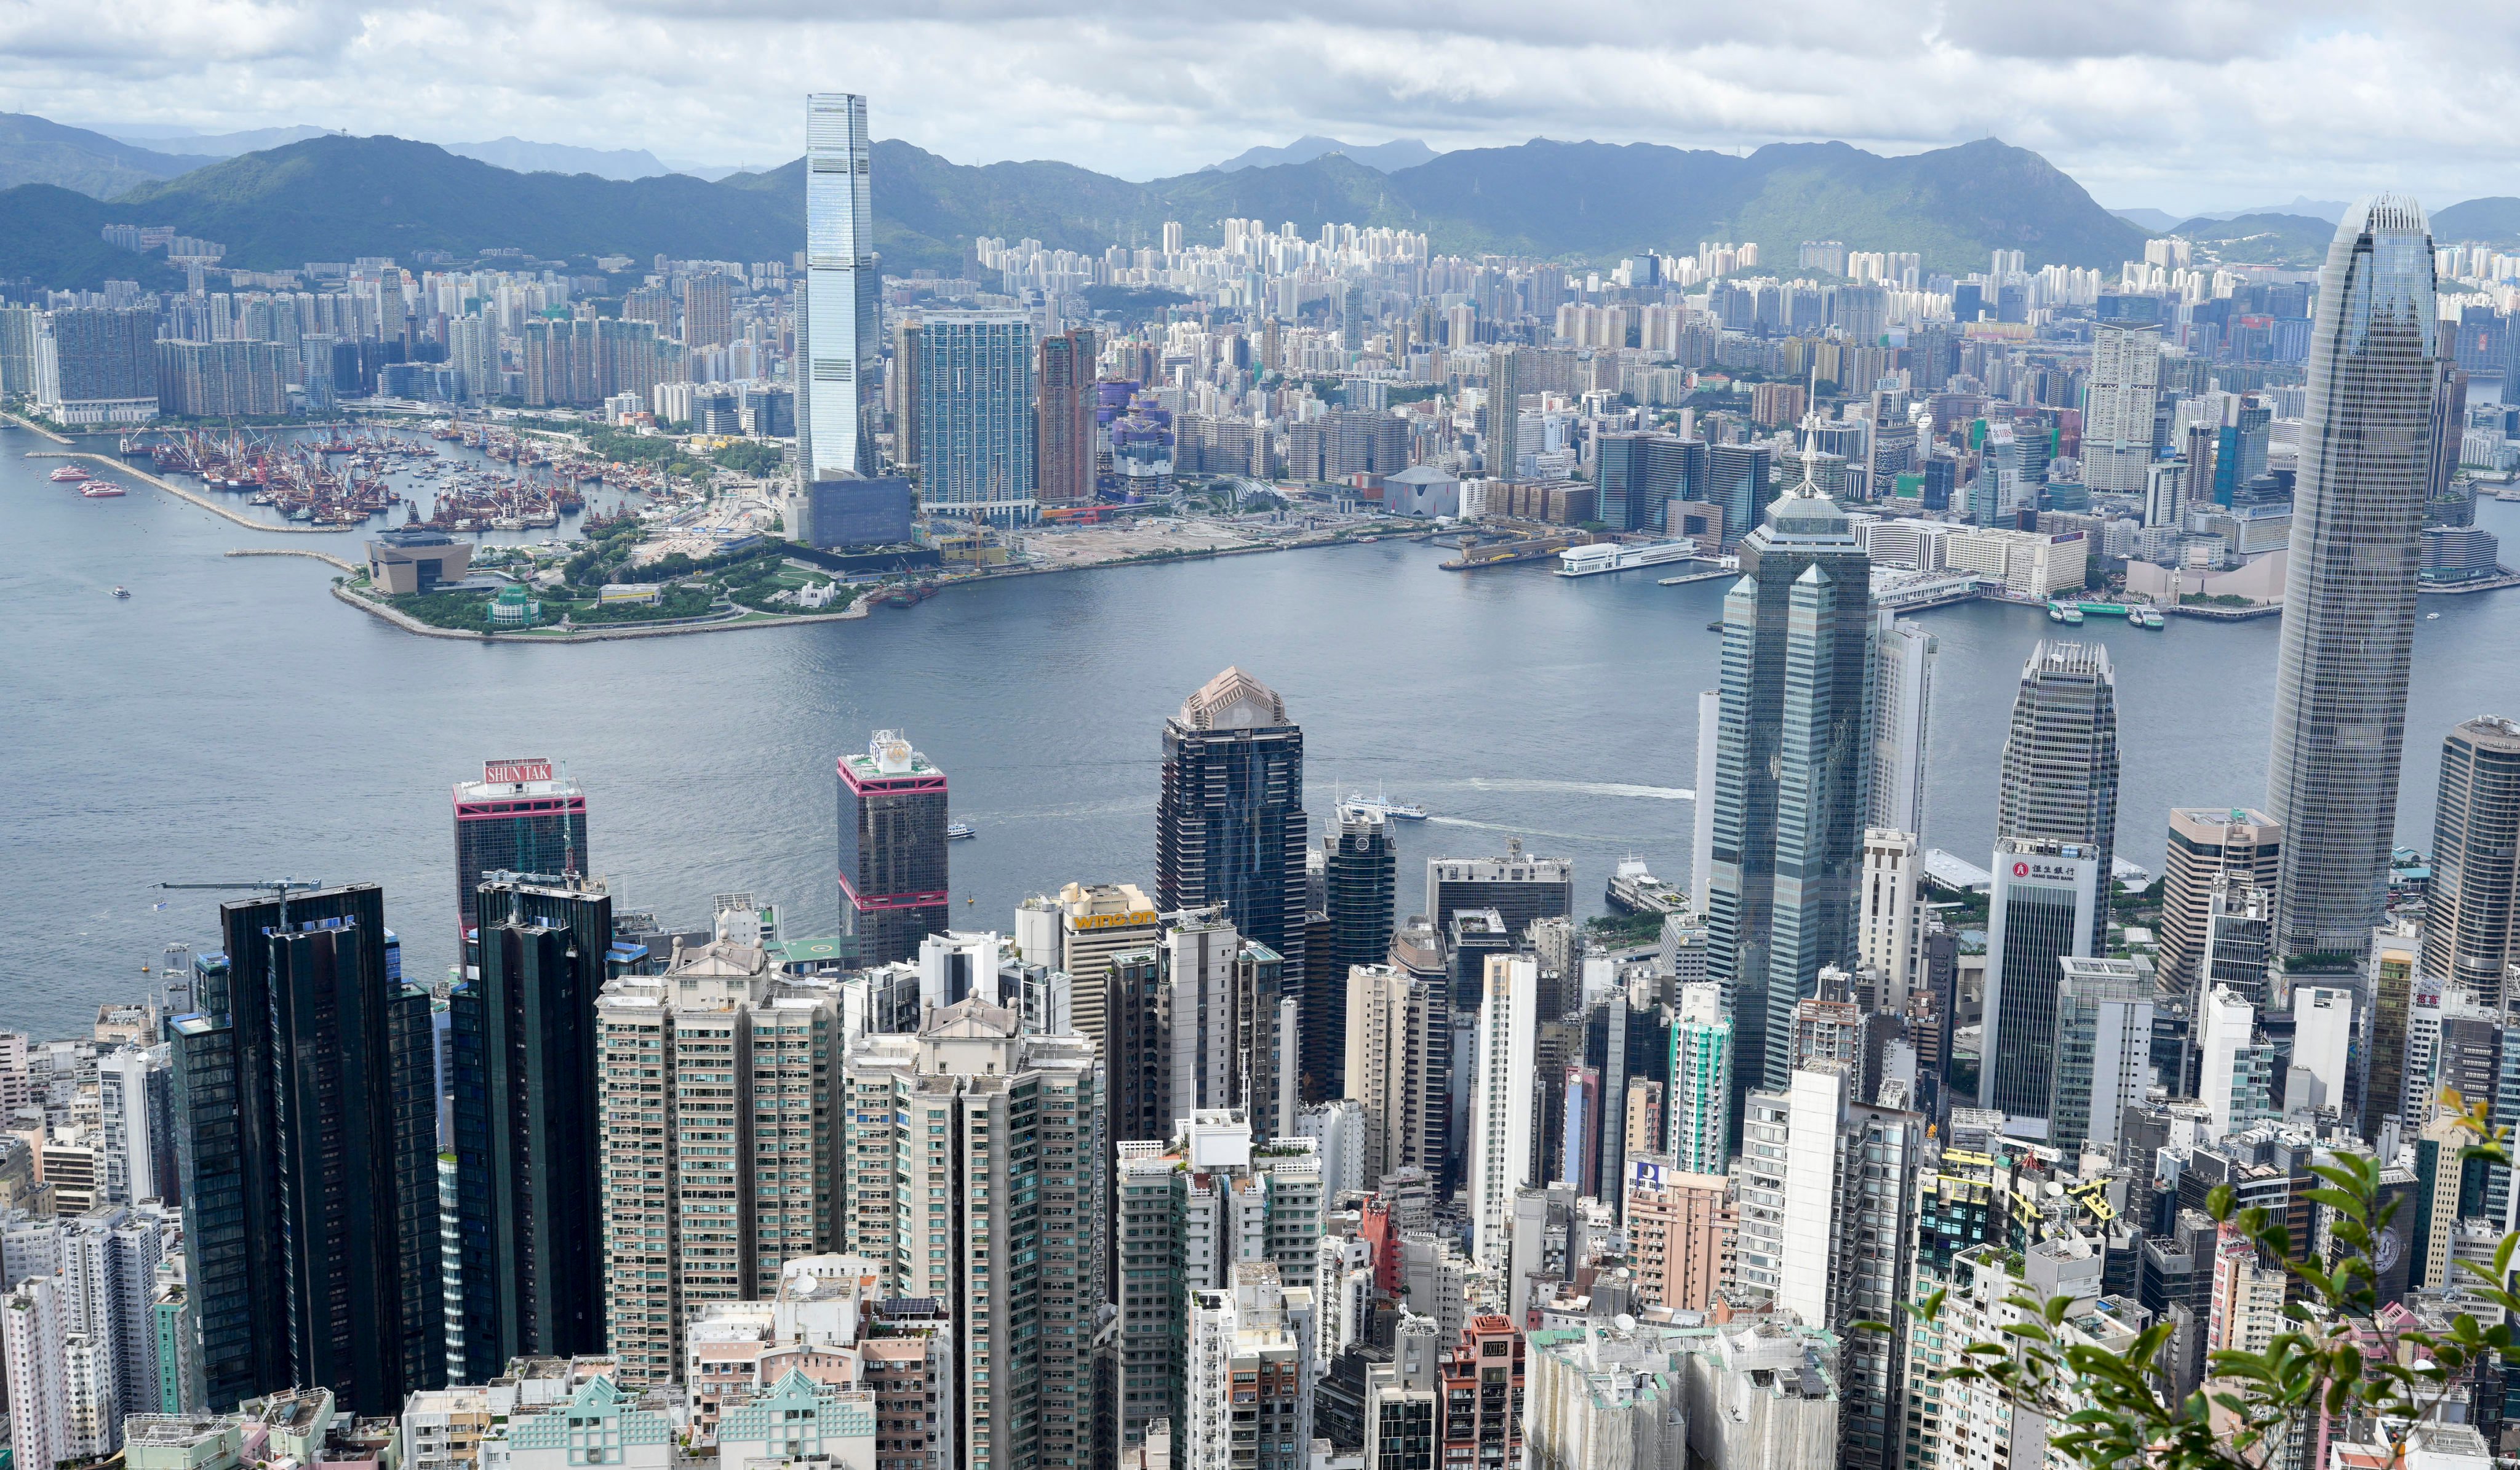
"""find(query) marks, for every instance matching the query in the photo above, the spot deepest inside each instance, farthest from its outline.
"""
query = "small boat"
(102, 489)
(123, 592)
(69, 475)
(957, 831)
(2432, 618)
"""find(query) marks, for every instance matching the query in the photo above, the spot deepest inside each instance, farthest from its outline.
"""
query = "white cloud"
(2181, 107)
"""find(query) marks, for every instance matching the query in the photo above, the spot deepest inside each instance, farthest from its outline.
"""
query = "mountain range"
(1382, 157)
(334, 197)
(331, 197)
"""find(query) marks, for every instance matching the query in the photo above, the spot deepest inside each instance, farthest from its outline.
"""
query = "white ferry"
(1398, 811)
(1606, 557)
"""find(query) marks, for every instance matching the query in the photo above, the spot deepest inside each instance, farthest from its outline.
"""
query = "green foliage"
(36, 150)
(751, 457)
(1624, 929)
(2107, 1409)
(49, 235)
(467, 612)
(335, 199)
(684, 600)
(2295, 240)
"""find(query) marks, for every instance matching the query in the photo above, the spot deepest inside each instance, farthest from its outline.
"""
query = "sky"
(2183, 106)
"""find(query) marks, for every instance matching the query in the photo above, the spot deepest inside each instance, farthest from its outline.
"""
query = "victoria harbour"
(233, 722)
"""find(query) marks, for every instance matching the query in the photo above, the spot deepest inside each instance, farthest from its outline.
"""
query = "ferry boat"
(69, 475)
(1606, 557)
(1398, 811)
(2148, 617)
(1635, 890)
(102, 489)
(2064, 612)
(957, 831)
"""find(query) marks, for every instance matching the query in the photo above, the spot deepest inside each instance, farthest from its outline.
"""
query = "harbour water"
(231, 722)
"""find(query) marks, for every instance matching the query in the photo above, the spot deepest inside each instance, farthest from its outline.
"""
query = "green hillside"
(335, 199)
(48, 236)
(2294, 240)
(38, 151)
(2495, 221)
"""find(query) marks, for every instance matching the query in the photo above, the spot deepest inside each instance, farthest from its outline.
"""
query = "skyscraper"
(1230, 825)
(1902, 706)
(1793, 768)
(2060, 758)
(2207, 842)
(1400, 1067)
(708, 299)
(1519, 886)
(528, 1134)
(307, 1118)
(522, 816)
(892, 849)
(1503, 1159)
(840, 321)
(998, 1136)
(2472, 919)
(1701, 1082)
(2117, 416)
(721, 1141)
(2104, 1051)
(1636, 476)
(1064, 378)
(1502, 415)
(2349, 622)
(1358, 873)
(1887, 938)
(2042, 907)
(973, 397)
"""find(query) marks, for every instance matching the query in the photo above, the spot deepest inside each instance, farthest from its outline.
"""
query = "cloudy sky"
(2177, 106)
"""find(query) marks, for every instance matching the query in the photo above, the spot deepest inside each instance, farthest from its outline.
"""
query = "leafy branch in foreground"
(2109, 1400)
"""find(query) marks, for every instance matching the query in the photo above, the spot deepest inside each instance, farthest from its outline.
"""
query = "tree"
(2107, 1409)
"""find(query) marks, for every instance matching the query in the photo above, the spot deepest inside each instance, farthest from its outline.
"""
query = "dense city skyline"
(1267, 1163)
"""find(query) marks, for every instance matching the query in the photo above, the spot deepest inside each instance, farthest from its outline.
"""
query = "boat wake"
(1586, 787)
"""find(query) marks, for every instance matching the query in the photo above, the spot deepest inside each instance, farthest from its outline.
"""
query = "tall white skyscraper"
(1701, 1082)
(1701, 836)
(2042, 905)
(1886, 933)
(2103, 1050)
(30, 1337)
(841, 317)
(1502, 1100)
(1901, 700)
(2117, 417)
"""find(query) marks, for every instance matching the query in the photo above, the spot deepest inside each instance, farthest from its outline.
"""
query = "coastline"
(33, 427)
(861, 608)
(180, 493)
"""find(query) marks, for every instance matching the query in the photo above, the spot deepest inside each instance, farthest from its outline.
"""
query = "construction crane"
(279, 887)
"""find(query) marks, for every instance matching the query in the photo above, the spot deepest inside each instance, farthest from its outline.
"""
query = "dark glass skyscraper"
(1229, 826)
(2060, 758)
(1359, 875)
(2349, 622)
(892, 849)
(1792, 774)
(1636, 476)
(2472, 920)
(522, 816)
(307, 1137)
(527, 1127)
